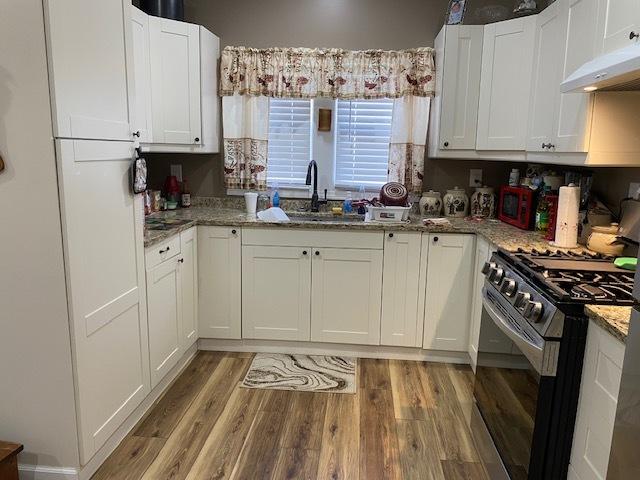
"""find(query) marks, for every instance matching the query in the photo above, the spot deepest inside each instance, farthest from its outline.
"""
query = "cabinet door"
(401, 276)
(461, 88)
(574, 109)
(106, 285)
(346, 297)
(449, 292)
(616, 20)
(189, 285)
(175, 81)
(90, 68)
(276, 292)
(142, 74)
(595, 420)
(547, 66)
(507, 58)
(164, 304)
(482, 256)
(219, 284)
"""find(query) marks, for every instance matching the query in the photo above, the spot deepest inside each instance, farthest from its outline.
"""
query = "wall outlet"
(475, 177)
(177, 171)
(634, 190)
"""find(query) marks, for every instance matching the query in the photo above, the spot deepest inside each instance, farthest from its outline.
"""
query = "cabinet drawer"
(162, 251)
(317, 238)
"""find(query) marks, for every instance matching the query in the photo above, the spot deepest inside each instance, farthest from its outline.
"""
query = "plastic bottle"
(348, 206)
(275, 198)
(542, 211)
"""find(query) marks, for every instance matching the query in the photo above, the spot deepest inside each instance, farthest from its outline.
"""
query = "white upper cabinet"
(219, 285)
(142, 75)
(447, 307)
(459, 54)
(547, 69)
(507, 58)
(175, 81)
(616, 20)
(401, 322)
(90, 68)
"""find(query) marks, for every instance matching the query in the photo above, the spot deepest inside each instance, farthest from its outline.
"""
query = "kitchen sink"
(327, 218)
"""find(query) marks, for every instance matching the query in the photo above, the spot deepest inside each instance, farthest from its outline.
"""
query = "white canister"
(483, 202)
(456, 203)
(431, 204)
(251, 202)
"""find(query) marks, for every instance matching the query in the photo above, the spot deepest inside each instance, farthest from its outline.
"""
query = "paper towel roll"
(567, 219)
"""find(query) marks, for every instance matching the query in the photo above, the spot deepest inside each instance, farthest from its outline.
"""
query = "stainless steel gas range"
(531, 348)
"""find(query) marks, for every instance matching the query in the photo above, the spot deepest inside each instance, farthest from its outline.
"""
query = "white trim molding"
(42, 472)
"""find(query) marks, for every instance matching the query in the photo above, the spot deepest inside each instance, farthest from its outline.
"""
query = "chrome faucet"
(315, 202)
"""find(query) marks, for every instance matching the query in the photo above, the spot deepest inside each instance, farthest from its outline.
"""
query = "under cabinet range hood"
(618, 70)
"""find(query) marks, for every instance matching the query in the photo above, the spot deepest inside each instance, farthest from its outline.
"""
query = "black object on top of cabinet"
(173, 9)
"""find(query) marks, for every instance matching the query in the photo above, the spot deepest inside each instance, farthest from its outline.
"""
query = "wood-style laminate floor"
(408, 420)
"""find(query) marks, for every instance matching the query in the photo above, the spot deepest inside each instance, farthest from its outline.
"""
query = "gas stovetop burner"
(576, 277)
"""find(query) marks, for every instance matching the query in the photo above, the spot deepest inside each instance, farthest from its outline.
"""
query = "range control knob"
(496, 275)
(486, 268)
(533, 311)
(508, 287)
(522, 298)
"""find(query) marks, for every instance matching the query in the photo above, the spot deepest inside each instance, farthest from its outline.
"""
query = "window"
(363, 131)
(289, 149)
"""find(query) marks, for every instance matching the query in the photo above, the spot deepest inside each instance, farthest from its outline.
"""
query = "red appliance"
(517, 206)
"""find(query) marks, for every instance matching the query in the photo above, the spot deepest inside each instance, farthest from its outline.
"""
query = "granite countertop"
(614, 320)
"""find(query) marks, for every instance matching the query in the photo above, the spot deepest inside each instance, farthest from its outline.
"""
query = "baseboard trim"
(315, 348)
(87, 471)
(42, 472)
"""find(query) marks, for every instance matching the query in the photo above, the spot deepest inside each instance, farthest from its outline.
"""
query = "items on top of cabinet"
(431, 204)
(173, 9)
(483, 202)
(456, 203)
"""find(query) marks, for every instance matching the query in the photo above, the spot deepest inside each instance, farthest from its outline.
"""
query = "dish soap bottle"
(348, 204)
(275, 198)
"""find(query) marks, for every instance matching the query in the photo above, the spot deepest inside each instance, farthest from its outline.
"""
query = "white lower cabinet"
(164, 306)
(482, 255)
(346, 295)
(401, 323)
(448, 294)
(276, 292)
(601, 374)
(189, 284)
(219, 282)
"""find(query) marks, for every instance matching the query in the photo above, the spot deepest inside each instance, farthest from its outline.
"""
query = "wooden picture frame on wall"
(455, 12)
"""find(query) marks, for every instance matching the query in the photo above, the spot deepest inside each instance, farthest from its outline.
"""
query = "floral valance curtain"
(333, 73)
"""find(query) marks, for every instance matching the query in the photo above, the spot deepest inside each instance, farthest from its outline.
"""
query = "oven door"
(514, 384)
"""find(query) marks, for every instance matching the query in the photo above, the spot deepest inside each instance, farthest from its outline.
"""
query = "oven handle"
(533, 352)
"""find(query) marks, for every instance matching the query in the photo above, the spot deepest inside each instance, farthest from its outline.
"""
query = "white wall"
(36, 383)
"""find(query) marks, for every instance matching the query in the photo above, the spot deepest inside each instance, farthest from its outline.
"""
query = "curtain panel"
(333, 73)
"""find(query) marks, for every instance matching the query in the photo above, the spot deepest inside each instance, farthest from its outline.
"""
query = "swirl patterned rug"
(305, 373)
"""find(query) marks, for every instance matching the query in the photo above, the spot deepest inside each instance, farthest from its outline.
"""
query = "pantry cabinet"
(90, 68)
(219, 282)
(617, 19)
(401, 322)
(189, 285)
(142, 75)
(599, 388)
(276, 292)
(449, 284)
(507, 60)
(346, 295)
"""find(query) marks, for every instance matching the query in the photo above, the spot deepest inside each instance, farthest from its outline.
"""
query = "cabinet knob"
(435, 239)
(446, 144)
(165, 250)
(304, 252)
(552, 145)
(391, 235)
(633, 35)
(136, 133)
(317, 252)
(181, 260)
(197, 139)
(233, 232)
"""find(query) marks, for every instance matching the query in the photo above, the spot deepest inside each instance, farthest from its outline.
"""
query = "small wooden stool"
(9, 460)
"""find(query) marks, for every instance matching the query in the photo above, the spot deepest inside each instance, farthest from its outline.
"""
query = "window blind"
(363, 131)
(289, 148)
